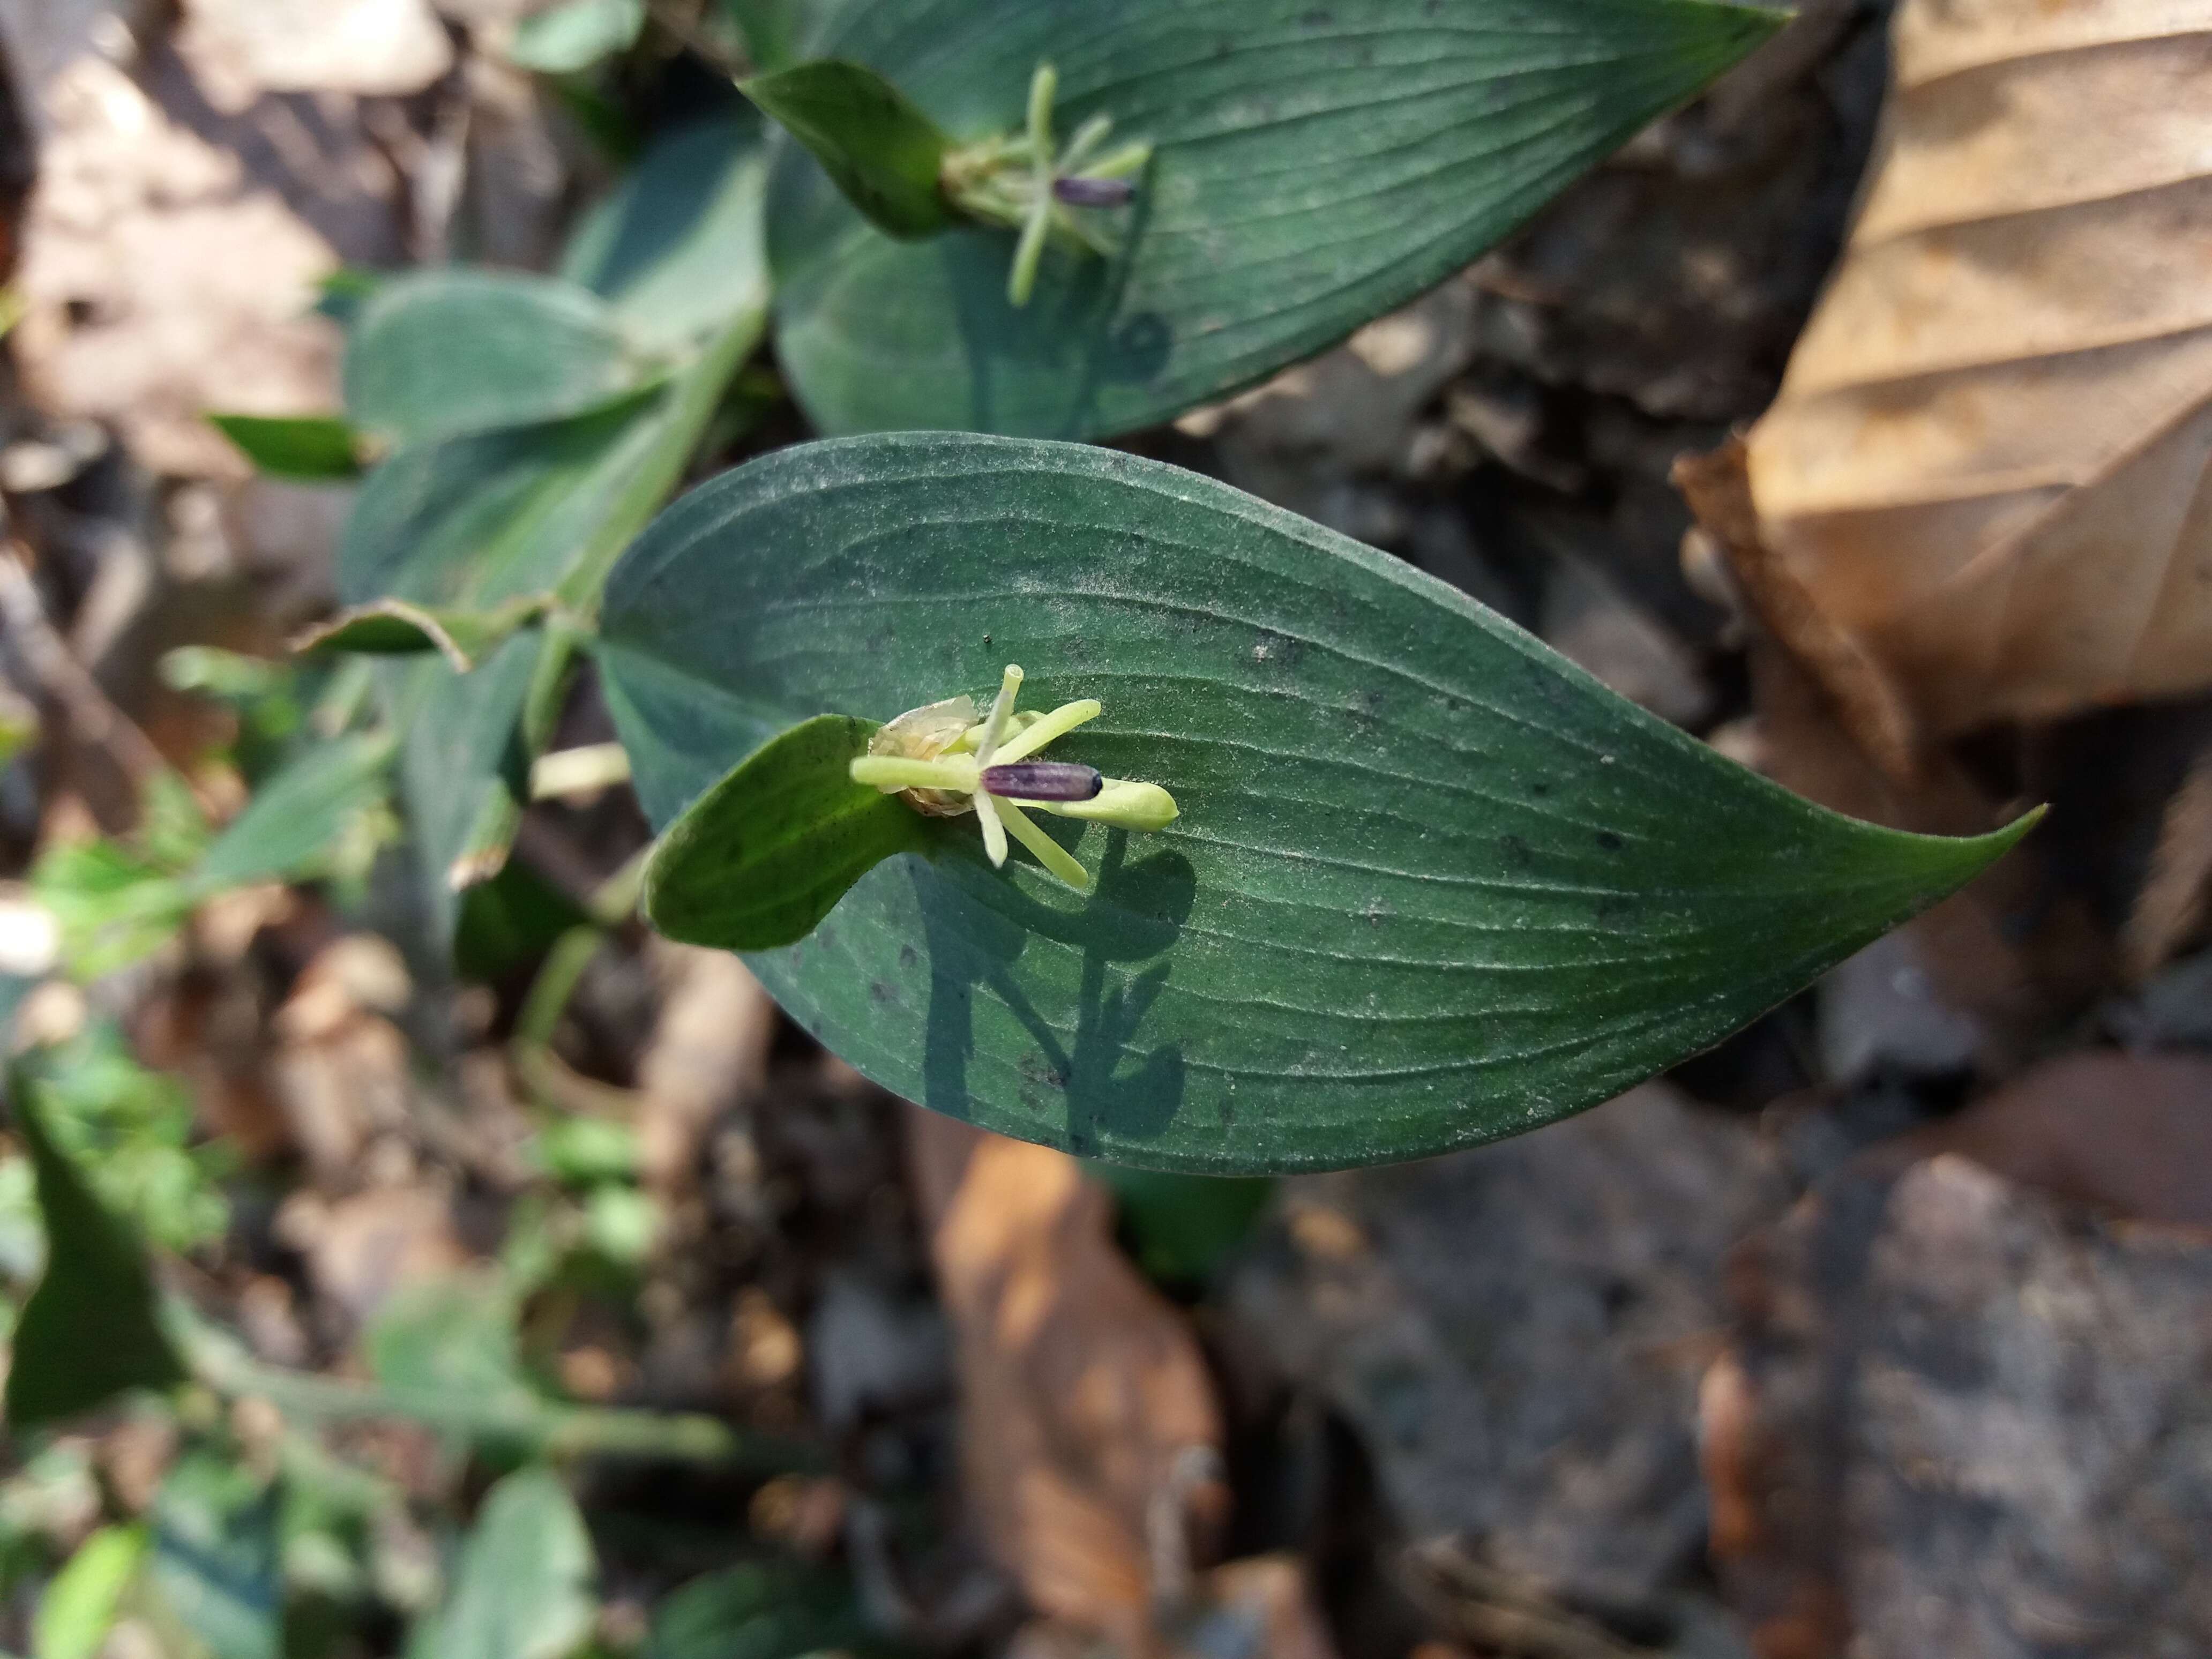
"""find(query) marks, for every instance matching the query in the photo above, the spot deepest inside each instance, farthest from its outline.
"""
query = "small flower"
(1017, 181)
(945, 762)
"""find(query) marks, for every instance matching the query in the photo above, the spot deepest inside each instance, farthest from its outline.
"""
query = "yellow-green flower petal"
(1125, 804)
(1045, 729)
(1047, 852)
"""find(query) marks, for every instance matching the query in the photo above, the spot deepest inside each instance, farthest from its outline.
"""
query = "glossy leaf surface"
(1431, 884)
(1315, 165)
(441, 354)
(880, 151)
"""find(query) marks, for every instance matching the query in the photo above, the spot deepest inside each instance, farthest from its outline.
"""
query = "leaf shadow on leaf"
(1065, 324)
(976, 935)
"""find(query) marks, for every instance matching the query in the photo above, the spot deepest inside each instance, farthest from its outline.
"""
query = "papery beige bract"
(1987, 464)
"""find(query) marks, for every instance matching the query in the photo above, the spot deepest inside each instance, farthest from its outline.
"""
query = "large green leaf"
(523, 1589)
(677, 249)
(297, 817)
(90, 1331)
(1432, 883)
(441, 354)
(1316, 164)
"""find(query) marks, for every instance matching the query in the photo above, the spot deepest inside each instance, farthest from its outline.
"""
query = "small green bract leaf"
(312, 449)
(1431, 884)
(763, 856)
(883, 153)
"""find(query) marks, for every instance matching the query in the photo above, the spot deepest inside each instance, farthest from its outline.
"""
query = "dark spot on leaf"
(1319, 18)
(908, 957)
(881, 991)
(1539, 788)
(1608, 840)
(1517, 850)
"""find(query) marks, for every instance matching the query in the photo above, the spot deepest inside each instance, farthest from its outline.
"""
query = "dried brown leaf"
(1987, 466)
(1089, 1425)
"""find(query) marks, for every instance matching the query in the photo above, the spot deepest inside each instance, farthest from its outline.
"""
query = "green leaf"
(565, 39)
(764, 854)
(394, 628)
(523, 1589)
(441, 354)
(774, 31)
(453, 1338)
(314, 449)
(882, 152)
(1315, 165)
(760, 1611)
(677, 250)
(215, 1564)
(90, 1331)
(79, 1606)
(1432, 883)
(295, 819)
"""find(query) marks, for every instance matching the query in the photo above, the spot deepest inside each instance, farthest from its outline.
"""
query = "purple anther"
(1094, 193)
(1043, 781)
